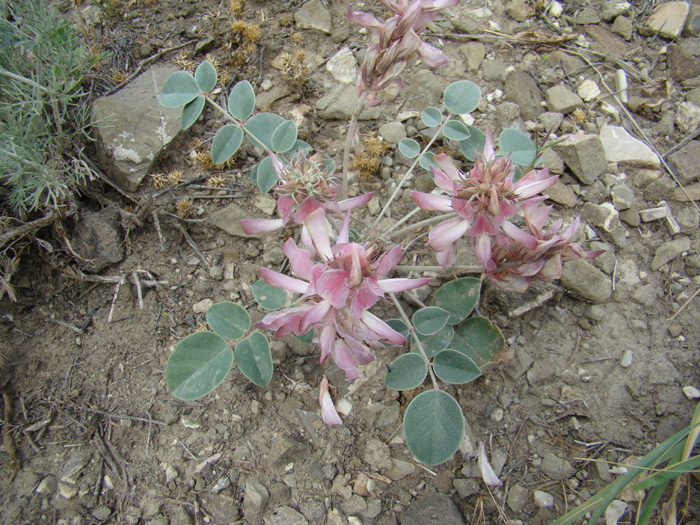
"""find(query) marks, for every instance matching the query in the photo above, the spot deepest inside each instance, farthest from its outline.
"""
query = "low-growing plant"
(328, 297)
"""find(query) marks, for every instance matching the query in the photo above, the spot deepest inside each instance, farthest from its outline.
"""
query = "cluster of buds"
(305, 185)
(337, 291)
(484, 200)
(396, 40)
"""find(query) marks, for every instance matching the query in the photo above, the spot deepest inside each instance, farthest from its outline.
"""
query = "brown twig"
(192, 244)
(120, 416)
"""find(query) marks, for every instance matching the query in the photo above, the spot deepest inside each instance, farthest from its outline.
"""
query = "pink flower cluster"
(484, 200)
(396, 40)
(337, 292)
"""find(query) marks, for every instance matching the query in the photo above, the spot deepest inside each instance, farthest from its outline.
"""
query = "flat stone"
(661, 189)
(255, 499)
(523, 90)
(99, 239)
(265, 203)
(613, 9)
(623, 26)
(75, 464)
(520, 10)
(687, 117)
(555, 467)
(494, 70)
(378, 415)
(614, 511)
(586, 280)
(543, 499)
(605, 42)
(692, 23)
(425, 88)
(392, 132)
(605, 261)
(376, 454)
(286, 516)
(685, 162)
(551, 120)
(588, 15)
(432, 509)
(466, 487)
(340, 102)
(623, 196)
(585, 156)
(562, 100)
(139, 128)
(314, 15)
(343, 66)
(517, 497)
(474, 52)
(669, 19)
(285, 450)
(563, 194)
(519, 365)
(692, 190)
(682, 64)
(229, 220)
(399, 469)
(621, 147)
(669, 251)
(588, 90)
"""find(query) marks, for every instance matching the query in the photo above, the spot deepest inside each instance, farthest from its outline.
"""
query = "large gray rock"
(682, 64)
(432, 509)
(685, 162)
(98, 238)
(255, 499)
(139, 127)
(586, 280)
(523, 90)
(313, 15)
(669, 19)
(340, 102)
(621, 147)
(585, 157)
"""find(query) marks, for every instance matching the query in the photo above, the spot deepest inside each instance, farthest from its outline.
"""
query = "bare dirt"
(100, 439)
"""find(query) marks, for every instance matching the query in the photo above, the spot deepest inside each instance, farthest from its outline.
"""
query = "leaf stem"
(228, 115)
(459, 269)
(415, 337)
(349, 139)
(417, 224)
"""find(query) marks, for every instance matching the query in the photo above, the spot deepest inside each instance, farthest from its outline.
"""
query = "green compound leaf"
(454, 367)
(254, 174)
(228, 319)
(179, 89)
(455, 130)
(254, 358)
(478, 339)
(459, 297)
(432, 344)
(306, 338)
(406, 372)
(269, 297)
(191, 112)
(266, 176)
(431, 117)
(205, 75)
(426, 161)
(409, 148)
(430, 320)
(474, 144)
(302, 146)
(522, 150)
(433, 427)
(284, 137)
(262, 126)
(241, 101)
(398, 325)
(226, 143)
(198, 365)
(462, 97)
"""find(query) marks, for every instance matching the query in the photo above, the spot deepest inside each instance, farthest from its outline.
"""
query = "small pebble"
(675, 330)
(626, 360)
(542, 499)
(691, 392)
(497, 414)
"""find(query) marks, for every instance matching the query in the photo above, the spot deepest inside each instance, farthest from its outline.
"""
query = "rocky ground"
(604, 363)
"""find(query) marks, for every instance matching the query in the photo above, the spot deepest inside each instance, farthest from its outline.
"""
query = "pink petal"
(489, 152)
(313, 315)
(438, 5)
(365, 20)
(532, 188)
(354, 202)
(388, 260)
(285, 207)
(299, 259)
(253, 226)
(279, 167)
(318, 230)
(482, 247)
(431, 55)
(447, 232)
(283, 281)
(401, 284)
(343, 357)
(307, 207)
(344, 233)
(328, 413)
(332, 287)
(325, 341)
(487, 472)
(383, 330)
(447, 257)
(446, 165)
(431, 202)
(519, 235)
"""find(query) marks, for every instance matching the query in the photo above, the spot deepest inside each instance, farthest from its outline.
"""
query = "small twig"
(192, 244)
(156, 222)
(122, 280)
(684, 305)
(120, 416)
(139, 293)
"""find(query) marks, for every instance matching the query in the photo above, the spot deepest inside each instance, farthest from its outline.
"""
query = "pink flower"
(328, 412)
(337, 294)
(396, 40)
(484, 199)
(305, 186)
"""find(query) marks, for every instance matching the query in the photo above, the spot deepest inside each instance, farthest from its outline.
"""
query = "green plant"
(649, 473)
(44, 112)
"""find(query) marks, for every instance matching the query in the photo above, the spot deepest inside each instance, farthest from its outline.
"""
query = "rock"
(26, 481)
(424, 89)
(354, 505)
(606, 43)
(432, 509)
(519, 10)
(67, 490)
(343, 66)
(586, 280)
(631, 217)
(523, 90)
(374, 507)
(685, 162)
(614, 511)
(314, 15)
(285, 450)
(312, 510)
(623, 196)
(466, 487)
(99, 239)
(265, 203)
(340, 102)
(555, 467)
(692, 23)
(551, 120)
(688, 218)
(626, 360)
(562, 100)
(517, 366)
(661, 189)
(101, 513)
(669, 19)
(494, 70)
(378, 415)
(585, 156)
(682, 65)
(74, 465)
(623, 26)
(687, 117)
(588, 15)
(201, 307)
(139, 128)
(692, 190)
(286, 516)
(621, 147)
(604, 217)
(399, 469)
(563, 194)
(540, 371)
(517, 497)
(255, 499)
(474, 52)
(605, 261)
(588, 90)
(669, 251)
(596, 193)
(392, 132)
(691, 392)
(46, 486)
(229, 220)
(181, 517)
(376, 455)
(646, 295)
(613, 9)
(542, 499)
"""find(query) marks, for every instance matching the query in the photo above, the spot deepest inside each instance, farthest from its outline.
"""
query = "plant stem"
(403, 179)
(22, 79)
(418, 224)
(228, 115)
(349, 138)
(415, 337)
(459, 269)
